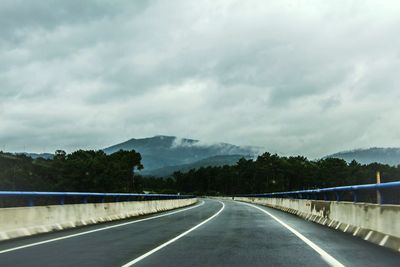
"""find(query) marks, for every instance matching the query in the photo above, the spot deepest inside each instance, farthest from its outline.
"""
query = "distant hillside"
(389, 156)
(36, 155)
(211, 161)
(164, 151)
(31, 155)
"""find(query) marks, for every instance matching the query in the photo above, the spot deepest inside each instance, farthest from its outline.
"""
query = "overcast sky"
(295, 77)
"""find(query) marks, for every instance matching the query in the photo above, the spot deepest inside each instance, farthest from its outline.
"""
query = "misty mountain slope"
(207, 162)
(162, 151)
(39, 155)
(389, 156)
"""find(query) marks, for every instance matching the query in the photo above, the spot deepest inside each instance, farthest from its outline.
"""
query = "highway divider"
(24, 221)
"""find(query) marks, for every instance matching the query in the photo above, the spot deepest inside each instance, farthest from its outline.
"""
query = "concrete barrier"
(25, 221)
(372, 222)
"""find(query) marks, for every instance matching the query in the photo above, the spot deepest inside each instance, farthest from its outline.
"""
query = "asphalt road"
(212, 233)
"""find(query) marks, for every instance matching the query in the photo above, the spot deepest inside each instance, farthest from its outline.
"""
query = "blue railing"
(30, 197)
(354, 190)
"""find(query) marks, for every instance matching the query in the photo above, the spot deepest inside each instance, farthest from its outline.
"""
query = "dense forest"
(95, 171)
(272, 173)
(82, 171)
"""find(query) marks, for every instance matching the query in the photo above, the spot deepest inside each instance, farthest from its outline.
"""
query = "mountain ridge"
(168, 151)
(384, 155)
(214, 161)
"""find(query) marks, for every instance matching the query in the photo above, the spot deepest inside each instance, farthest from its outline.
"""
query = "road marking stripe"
(328, 258)
(368, 235)
(356, 231)
(98, 230)
(174, 239)
(384, 240)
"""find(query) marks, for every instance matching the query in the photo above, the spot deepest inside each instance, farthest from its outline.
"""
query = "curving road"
(211, 233)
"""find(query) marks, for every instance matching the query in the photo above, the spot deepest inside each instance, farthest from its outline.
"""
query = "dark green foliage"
(89, 171)
(95, 171)
(271, 173)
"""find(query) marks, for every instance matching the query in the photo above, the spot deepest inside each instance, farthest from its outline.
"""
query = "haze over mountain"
(169, 151)
(210, 161)
(38, 155)
(162, 155)
(389, 156)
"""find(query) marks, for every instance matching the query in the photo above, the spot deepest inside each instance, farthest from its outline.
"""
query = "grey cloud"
(19, 17)
(308, 78)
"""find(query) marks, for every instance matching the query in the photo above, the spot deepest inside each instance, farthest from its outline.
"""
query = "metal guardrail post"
(378, 193)
(30, 202)
(354, 196)
(380, 199)
(337, 196)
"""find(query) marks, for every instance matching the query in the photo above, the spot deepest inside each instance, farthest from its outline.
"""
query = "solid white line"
(99, 229)
(174, 239)
(328, 258)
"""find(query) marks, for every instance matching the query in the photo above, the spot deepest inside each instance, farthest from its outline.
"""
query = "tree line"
(82, 171)
(95, 171)
(272, 173)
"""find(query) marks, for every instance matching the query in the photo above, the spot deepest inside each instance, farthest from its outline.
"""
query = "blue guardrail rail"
(31, 196)
(384, 192)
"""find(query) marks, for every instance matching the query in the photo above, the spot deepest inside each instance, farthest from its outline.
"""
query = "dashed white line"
(356, 231)
(99, 229)
(368, 235)
(174, 239)
(384, 240)
(328, 258)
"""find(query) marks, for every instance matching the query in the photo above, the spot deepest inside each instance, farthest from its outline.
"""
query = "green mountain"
(211, 161)
(390, 156)
(169, 151)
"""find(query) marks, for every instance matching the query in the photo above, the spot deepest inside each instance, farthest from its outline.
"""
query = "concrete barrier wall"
(379, 224)
(24, 221)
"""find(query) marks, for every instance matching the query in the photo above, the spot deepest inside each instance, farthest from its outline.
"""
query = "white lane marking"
(174, 239)
(368, 235)
(384, 240)
(99, 229)
(328, 258)
(356, 231)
